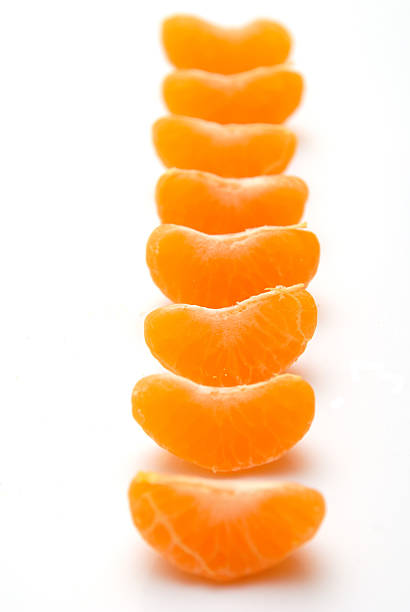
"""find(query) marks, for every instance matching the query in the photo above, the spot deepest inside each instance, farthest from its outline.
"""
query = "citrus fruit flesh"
(231, 150)
(224, 429)
(191, 42)
(216, 271)
(262, 95)
(219, 531)
(217, 205)
(236, 345)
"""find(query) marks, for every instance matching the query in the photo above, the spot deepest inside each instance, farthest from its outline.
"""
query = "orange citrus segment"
(224, 429)
(262, 95)
(215, 271)
(191, 42)
(223, 532)
(237, 345)
(216, 205)
(230, 150)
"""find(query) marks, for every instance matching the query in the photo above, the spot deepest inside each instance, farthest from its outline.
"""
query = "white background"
(80, 83)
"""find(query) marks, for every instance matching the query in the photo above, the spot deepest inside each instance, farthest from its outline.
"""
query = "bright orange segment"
(238, 345)
(223, 532)
(190, 42)
(216, 205)
(228, 150)
(224, 429)
(262, 95)
(216, 271)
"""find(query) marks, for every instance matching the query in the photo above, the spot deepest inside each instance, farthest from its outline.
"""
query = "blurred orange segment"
(262, 95)
(191, 42)
(216, 205)
(231, 150)
(237, 345)
(223, 532)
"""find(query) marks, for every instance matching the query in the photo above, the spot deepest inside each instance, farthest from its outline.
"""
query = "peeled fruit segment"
(191, 42)
(224, 429)
(262, 95)
(223, 532)
(216, 205)
(237, 345)
(216, 271)
(230, 150)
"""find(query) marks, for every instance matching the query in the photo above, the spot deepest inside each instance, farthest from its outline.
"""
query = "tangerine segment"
(238, 345)
(224, 429)
(217, 205)
(223, 532)
(228, 150)
(216, 271)
(191, 42)
(262, 95)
